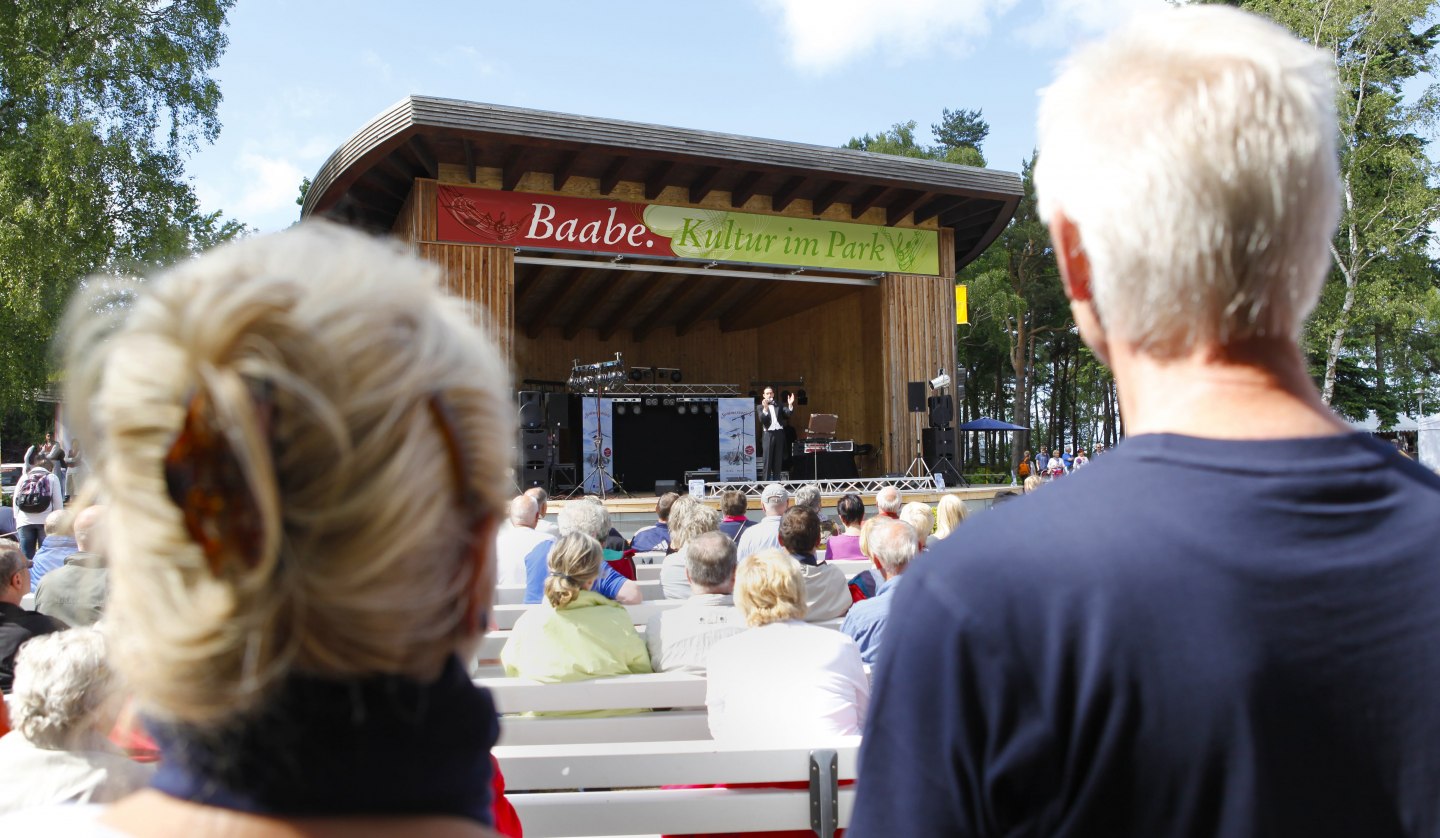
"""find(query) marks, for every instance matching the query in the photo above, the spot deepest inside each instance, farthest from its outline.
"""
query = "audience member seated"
(590, 517)
(826, 594)
(575, 634)
(64, 701)
(950, 513)
(892, 545)
(17, 625)
(783, 681)
(690, 519)
(289, 616)
(680, 639)
(765, 534)
(657, 535)
(734, 506)
(59, 544)
(75, 593)
(888, 502)
(542, 524)
(518, 544)
(919, 516)
(847, 545)
(808, 495)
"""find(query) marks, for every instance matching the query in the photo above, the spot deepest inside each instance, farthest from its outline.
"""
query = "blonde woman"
(783, 680)
(950, 513)
(303, 446)
(576, 633)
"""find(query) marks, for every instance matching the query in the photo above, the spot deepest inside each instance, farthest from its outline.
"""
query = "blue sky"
(300, 78)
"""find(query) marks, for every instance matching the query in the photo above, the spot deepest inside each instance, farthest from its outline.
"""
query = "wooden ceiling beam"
(710, 303)
(611, 178)
(745, 188)
(787, 193)
(469, 149)
(704, 184)
(553, 305)
(682, 288)
(939, 206)
(588, 305)
(425, 154)
(516, 164)
(867, 199)
(906, 205)
(634, 305)
(734, 319)
(655, 184)
(379, 181)
(825, 198)
(532, 283)
(566, 169)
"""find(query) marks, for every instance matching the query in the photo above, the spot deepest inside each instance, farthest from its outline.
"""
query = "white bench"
(681, 695)
(851, 567)
(628, 801)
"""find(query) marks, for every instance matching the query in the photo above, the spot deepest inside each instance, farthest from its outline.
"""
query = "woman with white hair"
(292, 589)
(64, 702)
(783, 680)
(689, 519)
(919, 516)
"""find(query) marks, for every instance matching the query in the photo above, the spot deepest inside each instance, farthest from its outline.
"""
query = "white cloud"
(1061, 21)
(261, 192)
(372, 60)
(824, 34)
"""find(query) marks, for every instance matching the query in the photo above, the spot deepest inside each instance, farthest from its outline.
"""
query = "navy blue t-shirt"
(1186, 637)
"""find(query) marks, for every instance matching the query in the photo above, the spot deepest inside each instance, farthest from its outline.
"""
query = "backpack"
(34, 493)
(1024, 470)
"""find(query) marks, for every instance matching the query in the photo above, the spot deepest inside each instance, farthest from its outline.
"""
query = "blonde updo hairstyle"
(690, 519)
(574, 565)
(769, 588)
(368, 419)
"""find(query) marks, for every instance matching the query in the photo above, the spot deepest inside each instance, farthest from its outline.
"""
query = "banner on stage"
(495, 217)
(737, 439)
(599, 447)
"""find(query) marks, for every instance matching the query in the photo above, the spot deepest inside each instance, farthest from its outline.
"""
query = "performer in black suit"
(774, 418)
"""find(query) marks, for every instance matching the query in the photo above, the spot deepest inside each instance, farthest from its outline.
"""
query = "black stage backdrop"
(659, 443)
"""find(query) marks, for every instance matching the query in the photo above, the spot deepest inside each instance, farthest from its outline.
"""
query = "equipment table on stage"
(833, 460)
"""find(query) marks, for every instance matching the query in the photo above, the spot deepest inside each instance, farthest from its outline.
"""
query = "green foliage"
(960, 132)
(100, 100)
(304, 190)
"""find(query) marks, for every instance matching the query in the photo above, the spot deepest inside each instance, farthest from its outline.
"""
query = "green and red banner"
(589, 225)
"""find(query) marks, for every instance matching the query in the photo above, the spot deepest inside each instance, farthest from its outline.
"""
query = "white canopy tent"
(1428, 447)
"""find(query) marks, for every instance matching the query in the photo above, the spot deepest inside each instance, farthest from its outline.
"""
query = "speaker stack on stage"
(536, 444)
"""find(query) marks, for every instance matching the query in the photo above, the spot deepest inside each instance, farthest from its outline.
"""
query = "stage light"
(635, 409)
(680, 409)
(694, 409)
(636, 374)
(940, 381)
(709, 408)
(675, 376)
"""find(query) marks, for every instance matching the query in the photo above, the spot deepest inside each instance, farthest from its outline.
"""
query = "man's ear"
(1070, 255)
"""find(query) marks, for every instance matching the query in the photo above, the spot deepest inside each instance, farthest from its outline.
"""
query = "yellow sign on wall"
(962, 311)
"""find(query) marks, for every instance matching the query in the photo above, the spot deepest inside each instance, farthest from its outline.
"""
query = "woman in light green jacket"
(575, 634)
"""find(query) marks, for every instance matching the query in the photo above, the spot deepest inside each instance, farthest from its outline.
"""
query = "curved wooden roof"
(367, 179)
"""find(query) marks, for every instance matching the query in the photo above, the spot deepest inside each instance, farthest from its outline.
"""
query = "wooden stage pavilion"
(823, 269)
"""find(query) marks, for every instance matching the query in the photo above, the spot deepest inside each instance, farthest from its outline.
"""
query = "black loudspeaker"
(937, 443)
(802, 397)
(532, 414)
(915, 396)
(557, 410)
(534, 446)
(663, 486)
(942, 411)
(535, 475)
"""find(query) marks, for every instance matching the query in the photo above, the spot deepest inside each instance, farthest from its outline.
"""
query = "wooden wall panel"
(919, 327)
(484, 277)
(416, 221)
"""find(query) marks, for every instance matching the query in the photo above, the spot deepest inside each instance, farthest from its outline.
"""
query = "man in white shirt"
(680, 639)
(517, 539)
(765, 535)
(542, 499)
(773, 419)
